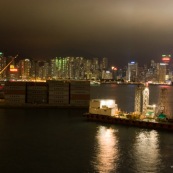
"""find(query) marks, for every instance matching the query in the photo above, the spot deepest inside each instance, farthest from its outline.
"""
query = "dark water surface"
(61, 140)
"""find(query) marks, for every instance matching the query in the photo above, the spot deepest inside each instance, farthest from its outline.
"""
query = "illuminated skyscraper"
(161, 72)
(79, 68)
(87, 68)
(61, 67)
(25, 68)
(95, 64)
(53, 68)
(132, 72)
(104, 63)
(44, 69)
(166, 59)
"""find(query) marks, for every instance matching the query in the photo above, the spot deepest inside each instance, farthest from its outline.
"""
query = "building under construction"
(143, 107)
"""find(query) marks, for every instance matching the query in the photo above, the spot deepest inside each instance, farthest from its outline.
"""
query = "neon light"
(163, 64)
(166, 59)
(13, 69)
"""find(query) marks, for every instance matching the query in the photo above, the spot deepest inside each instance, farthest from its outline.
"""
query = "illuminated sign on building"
(163, 64)
(13, 70)
(166, 58)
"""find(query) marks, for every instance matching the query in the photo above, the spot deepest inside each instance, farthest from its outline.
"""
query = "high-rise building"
(25, 68)
(53, 68)
(45, 74)
(161, 72)
(104, 63)
(87, 68)
(169, 68)
(61, 67)
(95, 64)
(166, 59)
(132, 72)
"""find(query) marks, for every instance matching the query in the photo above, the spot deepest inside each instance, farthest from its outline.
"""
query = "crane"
(8, 64)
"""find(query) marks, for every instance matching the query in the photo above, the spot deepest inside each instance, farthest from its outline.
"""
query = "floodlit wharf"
(106, 110)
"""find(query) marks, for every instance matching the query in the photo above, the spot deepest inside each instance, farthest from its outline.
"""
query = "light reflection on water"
(106, 150)
(131, 149)
(146, 151)
(140, 152)
(61, 140)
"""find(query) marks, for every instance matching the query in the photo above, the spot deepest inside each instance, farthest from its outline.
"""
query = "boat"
(106, 111)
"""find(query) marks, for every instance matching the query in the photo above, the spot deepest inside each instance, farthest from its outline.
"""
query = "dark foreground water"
(62, 141)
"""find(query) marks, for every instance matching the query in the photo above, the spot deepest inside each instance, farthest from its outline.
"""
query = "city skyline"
(80, 68)
(122, 31)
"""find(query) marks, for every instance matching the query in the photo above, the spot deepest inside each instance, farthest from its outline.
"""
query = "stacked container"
(58, 92)
(15, 92)
(37, 93)
(79, 93)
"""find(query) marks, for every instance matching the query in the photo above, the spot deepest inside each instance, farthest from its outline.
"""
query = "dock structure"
(106, 111)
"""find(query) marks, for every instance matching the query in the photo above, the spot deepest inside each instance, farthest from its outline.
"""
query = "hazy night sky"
(121, 30)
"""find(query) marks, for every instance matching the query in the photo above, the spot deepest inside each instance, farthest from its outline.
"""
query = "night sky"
(121, 30)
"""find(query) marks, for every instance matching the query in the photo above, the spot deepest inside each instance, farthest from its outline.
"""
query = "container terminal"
(58, 93)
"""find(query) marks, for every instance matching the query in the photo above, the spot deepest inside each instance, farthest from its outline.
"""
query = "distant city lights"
(114, 68)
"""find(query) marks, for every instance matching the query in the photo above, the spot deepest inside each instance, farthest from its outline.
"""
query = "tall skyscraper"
(166, 59)
(25, 68)
(104, 63)
(95, 64)
(132, 72)
(161, 72)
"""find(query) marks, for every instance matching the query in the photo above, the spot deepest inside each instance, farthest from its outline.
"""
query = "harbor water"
(63, 141)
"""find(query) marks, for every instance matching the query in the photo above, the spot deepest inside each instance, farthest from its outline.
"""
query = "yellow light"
(11, 66)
